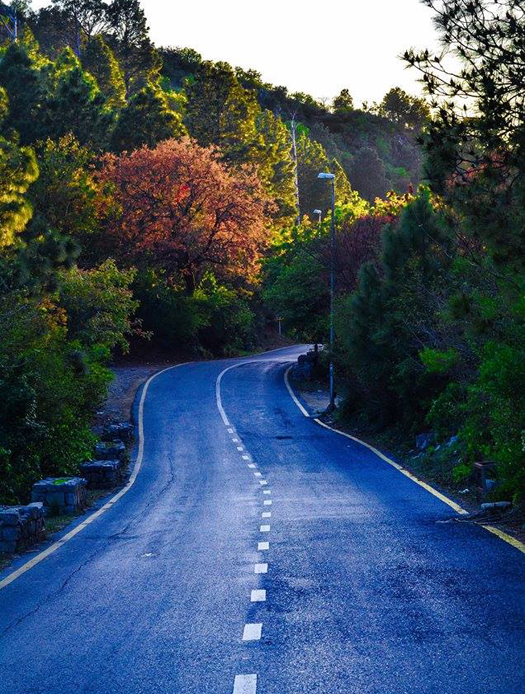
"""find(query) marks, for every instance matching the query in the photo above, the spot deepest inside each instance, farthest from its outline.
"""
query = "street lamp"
(319, 214)
(331, 177)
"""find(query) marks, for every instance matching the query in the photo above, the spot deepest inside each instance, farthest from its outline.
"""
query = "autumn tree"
(177, 208)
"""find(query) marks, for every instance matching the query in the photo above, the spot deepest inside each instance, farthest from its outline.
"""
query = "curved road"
(268, 555)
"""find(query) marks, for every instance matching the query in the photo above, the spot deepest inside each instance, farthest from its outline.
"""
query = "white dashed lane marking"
(267, 491)
(258, 595)
(258, 474)
(245, 684)
(252, 632)
(267, 502)
(246, 457)
(267, 514)
(265, 528)
(240, 448)
(251, 465)
(235, 440)
(261, 546)
(263, 482)
(261, 568)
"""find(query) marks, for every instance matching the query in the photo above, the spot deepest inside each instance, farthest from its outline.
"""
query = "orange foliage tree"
(179, 209)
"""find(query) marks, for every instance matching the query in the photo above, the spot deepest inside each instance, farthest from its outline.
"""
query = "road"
(358, 587)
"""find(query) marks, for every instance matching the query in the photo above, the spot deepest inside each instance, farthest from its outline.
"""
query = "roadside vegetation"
(149, 197)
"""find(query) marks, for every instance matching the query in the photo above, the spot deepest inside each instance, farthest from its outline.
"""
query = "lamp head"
(329, 176)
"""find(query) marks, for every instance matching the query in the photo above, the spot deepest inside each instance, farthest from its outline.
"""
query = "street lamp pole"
(331, 177)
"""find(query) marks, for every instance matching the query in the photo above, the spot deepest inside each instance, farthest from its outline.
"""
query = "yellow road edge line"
(96, 514)
(491, 529)
(505, 537)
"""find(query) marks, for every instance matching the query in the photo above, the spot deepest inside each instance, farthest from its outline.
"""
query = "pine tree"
(22, 81)
(311, 160)
(79, 108)
(98, 59)
(146, 120)
(367, 174)
(18, 169)
(276, 165)
(220, 112)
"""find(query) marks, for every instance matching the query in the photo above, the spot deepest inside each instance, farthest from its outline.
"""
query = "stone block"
(7, 546)
(110, 450)
(122, 431)
(9, 517)
(57, 494)
(11, 534)
(102, 474)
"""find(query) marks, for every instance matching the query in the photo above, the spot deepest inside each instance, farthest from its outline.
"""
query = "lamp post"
(319, 214)
(331, 177)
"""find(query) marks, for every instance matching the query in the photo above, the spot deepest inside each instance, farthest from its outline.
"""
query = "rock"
(423, 441)
(103, 474)
(495, 505)
(21, 526)
(10, 518)
(122, 431)
(110, 450)
(61, 494)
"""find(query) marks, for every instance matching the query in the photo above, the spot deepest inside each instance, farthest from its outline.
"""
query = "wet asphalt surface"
(368, 591)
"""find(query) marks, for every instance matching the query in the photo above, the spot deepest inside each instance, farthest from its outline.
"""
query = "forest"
(150, 199)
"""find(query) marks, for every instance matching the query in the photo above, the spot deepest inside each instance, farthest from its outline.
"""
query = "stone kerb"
(21, 526)
(102, 474)
(61, 495)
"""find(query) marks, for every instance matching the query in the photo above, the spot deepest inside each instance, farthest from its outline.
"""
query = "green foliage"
(98, 59)
(18, 169)
(99, 305)
(438, 361)
(49, 391)
(78, 107)
(146, 120)
(220, 112)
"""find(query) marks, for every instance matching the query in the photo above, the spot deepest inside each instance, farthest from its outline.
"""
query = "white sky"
(317, 47)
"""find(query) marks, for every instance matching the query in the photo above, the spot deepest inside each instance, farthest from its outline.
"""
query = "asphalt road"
(361, 589)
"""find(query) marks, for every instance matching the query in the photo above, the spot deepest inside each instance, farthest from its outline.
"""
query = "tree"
(275, 164)
(128, 36)
(394, 314)
(21, 79)
(220, 112)
(177, 208)
(343, 103)
(98, 59)
(78, 107)
(146, 120)
(368, 174)
(88, 18)
(18, 169)
(311, 159)
(64, 196)
(409, 111)
(475, 144)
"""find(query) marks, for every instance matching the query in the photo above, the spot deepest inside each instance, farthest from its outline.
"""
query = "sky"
(312, 46)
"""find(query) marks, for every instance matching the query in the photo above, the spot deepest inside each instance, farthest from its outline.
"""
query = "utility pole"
(294, 152)
(331, 177)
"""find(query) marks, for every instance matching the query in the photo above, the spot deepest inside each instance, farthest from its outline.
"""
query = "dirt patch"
(123, 389)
